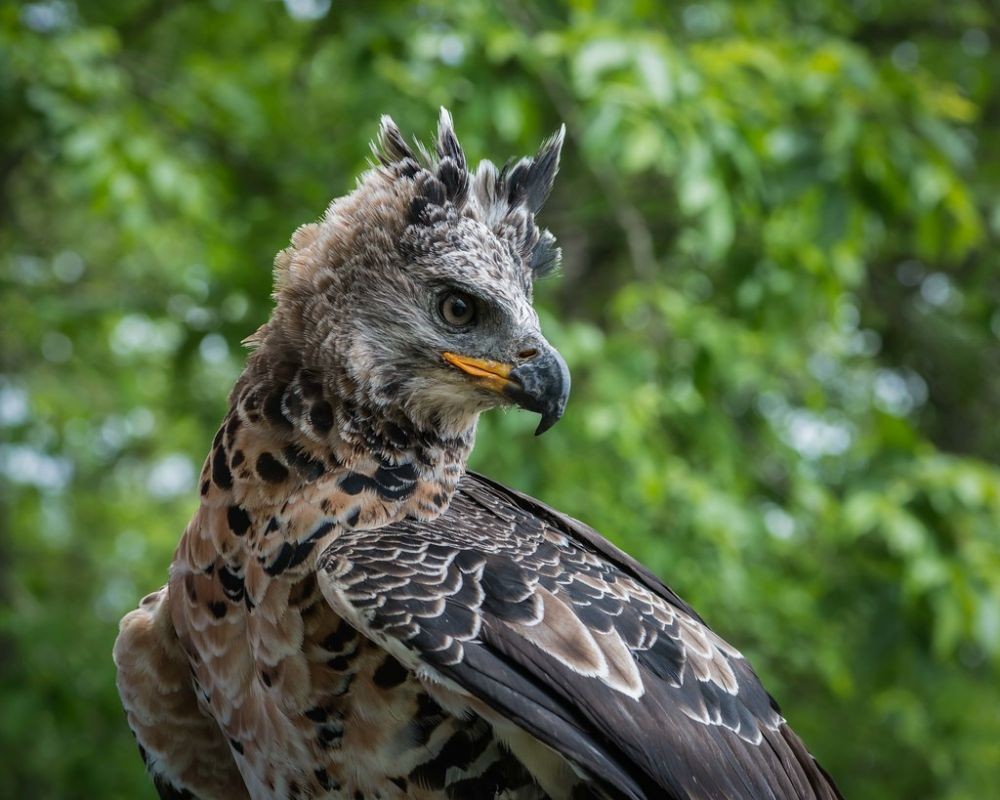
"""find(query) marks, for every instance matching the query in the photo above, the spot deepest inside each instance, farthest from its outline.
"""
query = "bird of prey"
(351, 614)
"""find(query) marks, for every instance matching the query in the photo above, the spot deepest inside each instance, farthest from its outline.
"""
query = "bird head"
(412, 297)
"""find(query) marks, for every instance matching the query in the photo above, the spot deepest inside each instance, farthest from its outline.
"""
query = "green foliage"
(780, 304)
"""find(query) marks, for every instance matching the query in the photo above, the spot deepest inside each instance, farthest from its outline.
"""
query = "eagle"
(351, 613)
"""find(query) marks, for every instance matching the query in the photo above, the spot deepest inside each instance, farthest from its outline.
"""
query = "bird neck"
(291, 433)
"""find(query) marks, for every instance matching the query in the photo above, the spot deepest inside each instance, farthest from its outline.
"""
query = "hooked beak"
(538, 383)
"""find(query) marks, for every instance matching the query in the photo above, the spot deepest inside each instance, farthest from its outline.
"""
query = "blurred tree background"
(780, 302)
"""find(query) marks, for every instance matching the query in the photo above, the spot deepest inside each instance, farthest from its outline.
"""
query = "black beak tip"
(547, 421)
(543, 387)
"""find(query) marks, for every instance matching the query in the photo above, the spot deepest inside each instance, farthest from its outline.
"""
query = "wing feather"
(536, 616)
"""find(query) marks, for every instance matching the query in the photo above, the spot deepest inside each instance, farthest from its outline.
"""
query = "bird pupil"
(457, 309)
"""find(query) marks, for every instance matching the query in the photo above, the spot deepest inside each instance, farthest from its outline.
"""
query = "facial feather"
(357, 292)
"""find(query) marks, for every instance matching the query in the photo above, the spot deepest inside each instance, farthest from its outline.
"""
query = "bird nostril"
(524, 355)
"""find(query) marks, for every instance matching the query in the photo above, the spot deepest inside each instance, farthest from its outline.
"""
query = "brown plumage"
(350, 614)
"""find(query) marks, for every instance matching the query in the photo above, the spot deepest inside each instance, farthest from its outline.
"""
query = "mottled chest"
(284, 675)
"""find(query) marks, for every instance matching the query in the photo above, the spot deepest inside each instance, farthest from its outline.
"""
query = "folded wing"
(540, 619)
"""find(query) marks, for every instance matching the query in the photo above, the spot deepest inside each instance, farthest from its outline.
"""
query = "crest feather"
(392, 147)
(509, 197)
(447, 141)
(544, 167)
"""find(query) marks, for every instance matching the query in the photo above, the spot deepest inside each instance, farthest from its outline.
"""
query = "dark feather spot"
(218, 609)
(355, 482)
(232, 584)
(337, 640)
(321, 416)
(273, 412)
(270, 469)
(220, 470)
(309, 385)
(390, 673)
(302, 551)
(317, 714)
(321, 531)
(237, 746)
(265, 678)
(237, 459)
(399, 437)
(283, 559)
(204, 487)
(239, 520)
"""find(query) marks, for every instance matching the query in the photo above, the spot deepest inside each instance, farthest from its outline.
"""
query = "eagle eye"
(457, 309)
